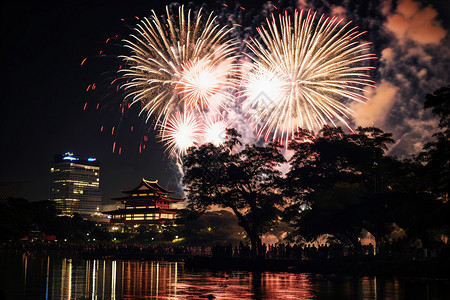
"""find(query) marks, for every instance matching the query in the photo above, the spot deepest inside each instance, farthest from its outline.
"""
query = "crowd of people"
(296, 251)
(166, 251)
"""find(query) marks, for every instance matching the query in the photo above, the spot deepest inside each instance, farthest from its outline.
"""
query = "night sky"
(43, 85)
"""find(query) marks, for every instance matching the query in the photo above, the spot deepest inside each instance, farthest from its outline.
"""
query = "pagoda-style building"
(148, 203)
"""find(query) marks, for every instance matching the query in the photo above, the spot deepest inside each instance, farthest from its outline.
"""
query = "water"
(49, 277)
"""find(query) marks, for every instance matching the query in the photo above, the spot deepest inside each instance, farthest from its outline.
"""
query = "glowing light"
(181, 132)
(182, 58)
(199, 81)
(71, 158)
(214, 132)
(263, 89)
(303, 72)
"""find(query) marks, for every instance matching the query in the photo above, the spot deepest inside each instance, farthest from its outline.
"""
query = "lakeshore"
(203, 258)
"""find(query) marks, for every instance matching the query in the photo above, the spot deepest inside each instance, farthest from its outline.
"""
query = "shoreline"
(345, 265)
(361, 266)
(351, 266)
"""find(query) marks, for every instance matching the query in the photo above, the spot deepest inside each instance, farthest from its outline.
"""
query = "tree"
(212, 227)
(244, 179)
(439, 103)
(436, 154)
(21, 217)
(338, 210)
(336, 176)
(320, 161)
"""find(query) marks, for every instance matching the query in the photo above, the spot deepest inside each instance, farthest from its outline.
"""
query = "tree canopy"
(436, 154)
(245, 180)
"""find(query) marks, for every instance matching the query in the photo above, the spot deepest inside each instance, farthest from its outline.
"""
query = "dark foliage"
(436, 154)
(26, 220)
(245, 181)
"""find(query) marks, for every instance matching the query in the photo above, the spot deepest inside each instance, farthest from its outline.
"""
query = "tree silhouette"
(244, 179)
(439, 103)
(333, 179)
(436, 153)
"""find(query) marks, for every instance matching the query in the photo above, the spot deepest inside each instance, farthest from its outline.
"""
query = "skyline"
(48, 89)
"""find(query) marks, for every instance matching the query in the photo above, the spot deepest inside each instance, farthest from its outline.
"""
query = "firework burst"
(181, 131)
(202, 83)
(183, 60)
(303, 72)
(214, 132)
(303, 69)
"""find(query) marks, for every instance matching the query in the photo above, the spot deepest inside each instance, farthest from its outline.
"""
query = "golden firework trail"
(183, 61)
(303, 71)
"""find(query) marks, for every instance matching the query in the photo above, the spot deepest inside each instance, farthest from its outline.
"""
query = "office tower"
(75, 185)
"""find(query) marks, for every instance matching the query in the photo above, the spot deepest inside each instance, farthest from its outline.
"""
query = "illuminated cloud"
(411, 22)
(416, 62)
(339, 11)
(374, 111)
(304, 4)
(413, 47)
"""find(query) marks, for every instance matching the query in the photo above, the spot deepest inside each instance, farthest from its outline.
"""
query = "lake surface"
(49, 277)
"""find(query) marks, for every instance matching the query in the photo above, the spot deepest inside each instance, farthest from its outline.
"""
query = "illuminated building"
(75, 185)
(146, 204)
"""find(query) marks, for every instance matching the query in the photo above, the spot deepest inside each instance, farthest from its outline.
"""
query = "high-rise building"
(75, 185)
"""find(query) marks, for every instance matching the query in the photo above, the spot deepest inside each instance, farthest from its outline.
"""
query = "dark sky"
(44, 92)
(43, 85)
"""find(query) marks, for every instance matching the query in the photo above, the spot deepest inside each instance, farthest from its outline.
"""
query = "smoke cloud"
(410, 22)
(414, 58)
(373, 112)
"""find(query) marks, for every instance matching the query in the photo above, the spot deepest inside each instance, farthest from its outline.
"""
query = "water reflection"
(46, 277)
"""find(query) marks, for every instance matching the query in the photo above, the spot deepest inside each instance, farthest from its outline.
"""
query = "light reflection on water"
(45, 277)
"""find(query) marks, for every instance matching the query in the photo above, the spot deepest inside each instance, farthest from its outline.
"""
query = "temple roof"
(147, 198)
(123, 211)
(149, 186)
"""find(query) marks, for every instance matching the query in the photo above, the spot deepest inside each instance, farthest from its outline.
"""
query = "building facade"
(148, 203)
(75, 185)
